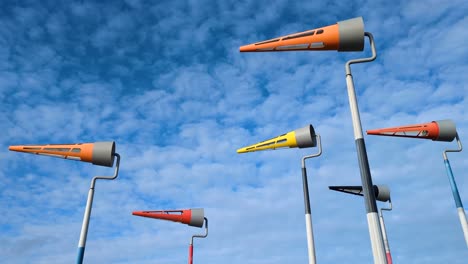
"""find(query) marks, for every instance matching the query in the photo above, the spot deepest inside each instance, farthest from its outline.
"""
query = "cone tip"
(372, 132)
(14, 148)
(138, 213)
(247, 48)
(337, 188)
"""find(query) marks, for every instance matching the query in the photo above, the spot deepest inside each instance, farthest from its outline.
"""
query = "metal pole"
(384, 233)
(456, 195)
(366, 179)
(89, 204)
(190, 259)
(308, 218)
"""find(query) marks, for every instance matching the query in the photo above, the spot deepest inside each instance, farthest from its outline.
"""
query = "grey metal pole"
(366, 179)
(308, 218)
(89, 204)
(456, 194)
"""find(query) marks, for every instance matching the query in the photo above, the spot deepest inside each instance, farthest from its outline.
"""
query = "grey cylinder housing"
(382, 193)
(447, 130)
(305, 137)
(197, 218)
(351, 34)
(103, 153)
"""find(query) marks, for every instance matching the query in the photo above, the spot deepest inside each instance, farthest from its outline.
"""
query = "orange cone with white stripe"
(98, 153)
(347, 35)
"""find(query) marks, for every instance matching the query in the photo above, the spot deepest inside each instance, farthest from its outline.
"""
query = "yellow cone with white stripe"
(299, 138)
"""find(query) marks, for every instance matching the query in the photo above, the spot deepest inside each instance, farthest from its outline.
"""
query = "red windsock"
(442, 130)
(191, 217)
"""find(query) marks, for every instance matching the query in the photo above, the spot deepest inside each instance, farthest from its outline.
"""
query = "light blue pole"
(456, 195)
(89, 205)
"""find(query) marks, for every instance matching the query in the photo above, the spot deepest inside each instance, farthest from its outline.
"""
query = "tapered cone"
(442, 130)
(299, 138)
(347, 35)
(382, 192)
(98, 153)
(191, 217)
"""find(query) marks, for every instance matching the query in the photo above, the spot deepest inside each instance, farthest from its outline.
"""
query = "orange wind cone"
(191, 217)
(442, 130)
(98, 153)
(347, 35)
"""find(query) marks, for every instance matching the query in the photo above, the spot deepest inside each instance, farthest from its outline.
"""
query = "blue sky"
(166, 82)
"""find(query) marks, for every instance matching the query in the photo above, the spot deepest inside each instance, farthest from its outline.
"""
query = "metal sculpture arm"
(308, 217)
(456, 194)
(460, 148)
(200, 236)
(89, 204)
(362, 60)
(319, 146)
(113, 177)
(204, 235)
(384, 232)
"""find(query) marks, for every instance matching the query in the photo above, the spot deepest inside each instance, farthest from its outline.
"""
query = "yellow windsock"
(299, 138)
(98, 153)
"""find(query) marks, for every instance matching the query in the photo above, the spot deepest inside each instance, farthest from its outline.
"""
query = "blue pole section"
(458, 202)
(79, 259)
(453, 185)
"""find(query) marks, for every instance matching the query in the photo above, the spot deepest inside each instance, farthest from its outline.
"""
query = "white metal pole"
(366, 179)
(87, 214)
(308, 216)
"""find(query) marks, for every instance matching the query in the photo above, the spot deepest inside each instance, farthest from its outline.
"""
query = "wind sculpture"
(442, 130)
(300, 138)
(192, 217)
(382, 193)
(347, 35)
(98, 153)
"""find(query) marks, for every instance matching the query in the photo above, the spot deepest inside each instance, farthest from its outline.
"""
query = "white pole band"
(310, 239)
(376, 235)
(464, 224)
(354, 107)
(84, 227)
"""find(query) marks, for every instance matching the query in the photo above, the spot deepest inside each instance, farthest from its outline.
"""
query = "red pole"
(190, 255)
(389, 258)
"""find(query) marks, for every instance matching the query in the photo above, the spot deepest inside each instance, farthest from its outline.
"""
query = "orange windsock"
(98, 153)
(442, 130)
(347, 35)
(192, 217)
